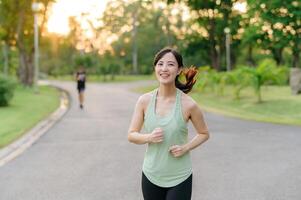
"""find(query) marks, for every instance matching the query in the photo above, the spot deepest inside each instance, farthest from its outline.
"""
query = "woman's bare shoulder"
(144, 99)
(188, 102)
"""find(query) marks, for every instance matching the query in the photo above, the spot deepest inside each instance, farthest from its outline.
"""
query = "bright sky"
(63, 9)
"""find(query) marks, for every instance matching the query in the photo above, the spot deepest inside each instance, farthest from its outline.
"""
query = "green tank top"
(159, 166)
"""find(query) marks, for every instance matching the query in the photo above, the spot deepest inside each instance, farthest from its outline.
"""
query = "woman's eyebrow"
(170, 61)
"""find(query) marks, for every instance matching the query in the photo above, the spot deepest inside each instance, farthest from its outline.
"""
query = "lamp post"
(36, 7)
(228, 38)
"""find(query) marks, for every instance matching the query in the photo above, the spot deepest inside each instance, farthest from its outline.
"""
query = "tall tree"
(139, 26)
(18, 22)
(279, 27)
(213, 16)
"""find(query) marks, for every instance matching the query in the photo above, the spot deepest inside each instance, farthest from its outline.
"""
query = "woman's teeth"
(164, 75)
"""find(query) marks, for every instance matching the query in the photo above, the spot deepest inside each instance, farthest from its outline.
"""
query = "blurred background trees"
(16, 25)
(128, 34)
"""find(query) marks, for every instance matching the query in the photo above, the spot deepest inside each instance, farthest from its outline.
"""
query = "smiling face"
(167, 68)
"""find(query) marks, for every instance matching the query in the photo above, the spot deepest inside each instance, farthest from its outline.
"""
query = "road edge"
(16, 148)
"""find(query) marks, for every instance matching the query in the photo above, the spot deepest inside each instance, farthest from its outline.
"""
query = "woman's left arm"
(200, 126)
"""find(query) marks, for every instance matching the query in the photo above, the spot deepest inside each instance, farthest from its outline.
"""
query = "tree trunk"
(168, 34)
(233, 57)
(296, 55)
(250, 59)
(26, 70)
(30, 70)
(22, 69)
(296, 58)
(295, 80)
(5, 49)
(213, 52)
(277, 54)
(26, 51)
(134, 39)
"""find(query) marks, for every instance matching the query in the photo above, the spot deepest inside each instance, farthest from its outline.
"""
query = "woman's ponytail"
(190, 76)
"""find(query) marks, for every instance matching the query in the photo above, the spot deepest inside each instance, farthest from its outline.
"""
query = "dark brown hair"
(189, 73)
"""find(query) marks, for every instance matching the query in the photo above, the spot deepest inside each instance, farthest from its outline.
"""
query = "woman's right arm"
(136, 124)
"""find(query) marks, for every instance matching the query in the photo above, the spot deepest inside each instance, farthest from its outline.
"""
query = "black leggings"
(181, 191)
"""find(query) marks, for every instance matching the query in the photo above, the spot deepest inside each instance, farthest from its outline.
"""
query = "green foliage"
(114, 69)
(7, 87)
(108, 64)
(277, 26)
(16, 18)
(282, 75)
(200, 38)
(267, 73)
(239, 79)
(204, 80)
(3, 33)
(210, 78)
(196, 52)
(219, 80)
(280, 105)
(213, 17)
(156, 28)
(273, 74)
(146, 69)
(85, 60)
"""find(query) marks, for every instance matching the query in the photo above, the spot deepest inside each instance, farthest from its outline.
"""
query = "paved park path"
(86, 156)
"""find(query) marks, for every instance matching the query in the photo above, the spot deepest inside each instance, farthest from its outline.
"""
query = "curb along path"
(16, 148)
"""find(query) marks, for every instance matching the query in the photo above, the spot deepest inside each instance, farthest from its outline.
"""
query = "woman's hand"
(177, 150)
(156, 136)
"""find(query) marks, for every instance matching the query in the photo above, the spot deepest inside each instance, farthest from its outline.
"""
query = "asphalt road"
(86, 156)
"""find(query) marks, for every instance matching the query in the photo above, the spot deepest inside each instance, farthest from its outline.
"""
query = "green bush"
(239, 79)
(204, 81)
(264, 74)
(7, 87)
(273, 74)
(282, 76)
(267, 73)
(220, 80)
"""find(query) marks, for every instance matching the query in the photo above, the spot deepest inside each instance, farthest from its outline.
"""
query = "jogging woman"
(164, 114)
(81, 85)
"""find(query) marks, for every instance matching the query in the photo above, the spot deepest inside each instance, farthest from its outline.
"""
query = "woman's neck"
(167, 91)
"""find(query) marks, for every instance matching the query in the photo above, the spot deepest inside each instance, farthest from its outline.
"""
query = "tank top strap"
(178, 100)
(154, 96)
(151, 105)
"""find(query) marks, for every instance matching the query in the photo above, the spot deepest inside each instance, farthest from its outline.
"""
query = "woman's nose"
(164, 67)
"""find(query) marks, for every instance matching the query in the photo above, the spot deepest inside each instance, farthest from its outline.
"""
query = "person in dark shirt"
(81, 85)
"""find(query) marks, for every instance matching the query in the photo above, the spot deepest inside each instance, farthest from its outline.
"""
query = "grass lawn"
(26, 109)
(117, 78)
(278, 106)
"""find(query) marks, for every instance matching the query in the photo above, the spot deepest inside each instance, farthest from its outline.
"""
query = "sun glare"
(240, 6)
(63, 9)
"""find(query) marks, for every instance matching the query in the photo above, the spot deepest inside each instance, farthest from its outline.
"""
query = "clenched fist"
(156, 136)
(177, 150)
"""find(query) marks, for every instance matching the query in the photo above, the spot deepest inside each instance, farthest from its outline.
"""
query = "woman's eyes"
(168, 64)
